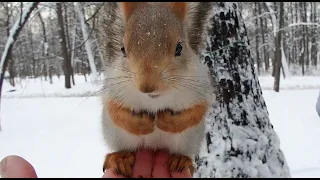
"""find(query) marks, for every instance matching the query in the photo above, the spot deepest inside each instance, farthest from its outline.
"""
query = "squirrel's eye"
(123, 51)
(178, 49)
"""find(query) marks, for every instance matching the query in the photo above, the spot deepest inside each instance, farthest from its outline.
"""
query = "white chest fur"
(187, 143)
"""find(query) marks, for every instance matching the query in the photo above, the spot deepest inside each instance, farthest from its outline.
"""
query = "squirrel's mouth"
(153, 95)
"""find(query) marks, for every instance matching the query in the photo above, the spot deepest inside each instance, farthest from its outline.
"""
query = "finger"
(184, 174)
(161, 167)
(143, 164)
(16, 167)
(110, 173)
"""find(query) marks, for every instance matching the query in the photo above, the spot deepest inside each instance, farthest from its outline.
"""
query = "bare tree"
(277, 56)
(45, 50)
(10, 61)
(94, 74)
(63, 42)
(257, 38)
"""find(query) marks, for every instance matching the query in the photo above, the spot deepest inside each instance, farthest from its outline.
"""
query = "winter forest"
(51, 73)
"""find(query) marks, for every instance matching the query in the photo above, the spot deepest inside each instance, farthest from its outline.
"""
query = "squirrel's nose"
(147, 88)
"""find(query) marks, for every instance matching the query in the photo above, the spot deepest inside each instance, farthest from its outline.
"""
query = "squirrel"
(157, 90)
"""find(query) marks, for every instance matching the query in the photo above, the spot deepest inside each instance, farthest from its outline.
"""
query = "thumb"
(16, 167)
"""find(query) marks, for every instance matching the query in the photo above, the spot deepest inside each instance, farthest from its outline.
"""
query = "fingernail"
(3, 165)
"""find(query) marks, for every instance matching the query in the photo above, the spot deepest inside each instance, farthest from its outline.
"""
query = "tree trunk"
(45, 49)
(257, 37)
(68, 39)
(94, 74)
(274, 26)
(302, 55)
(240, 139)
(72, 52)
(63, 42)
(34, 66)
(265, 56)
(278, 52)
(314, 50)
(306, 35)
(11, 62)
(292, 56)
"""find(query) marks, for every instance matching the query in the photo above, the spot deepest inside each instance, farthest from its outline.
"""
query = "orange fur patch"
(122, 162)
(129, 7)
(182, 121)
(124, 118)
(179, 163)
(180, 9)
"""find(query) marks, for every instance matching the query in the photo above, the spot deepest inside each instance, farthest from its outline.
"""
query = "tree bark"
(34, 71)
(278, 55)
(302, 61)
(11, 61)
(314, 50)
(94, 74)
(306, 35)
(68, 40)
(240, 139)
(265, 55)
(63, 42)
(257, 37)
(46, 68)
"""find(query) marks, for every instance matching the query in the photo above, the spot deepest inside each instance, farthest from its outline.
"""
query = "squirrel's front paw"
(122, 162)
(169, 121)
(177, 163)
(144, 123)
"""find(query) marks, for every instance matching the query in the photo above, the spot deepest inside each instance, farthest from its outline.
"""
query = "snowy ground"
(38, 88)
(61, 136)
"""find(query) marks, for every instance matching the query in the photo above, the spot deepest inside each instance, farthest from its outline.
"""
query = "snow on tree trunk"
(273, 18)
(94, 74)
(14, 33)
(73, 45)
(318, 105)
(284, 63)
(240, 140)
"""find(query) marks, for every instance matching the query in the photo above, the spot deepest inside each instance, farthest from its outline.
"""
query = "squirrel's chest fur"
(187, 142)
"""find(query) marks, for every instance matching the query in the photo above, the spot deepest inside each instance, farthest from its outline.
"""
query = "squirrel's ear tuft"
(179, 9)
(129, 7)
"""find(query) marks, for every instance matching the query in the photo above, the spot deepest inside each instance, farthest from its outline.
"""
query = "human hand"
(151, 164)
(148, 164)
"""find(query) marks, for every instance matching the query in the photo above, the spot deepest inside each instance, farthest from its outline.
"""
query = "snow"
(61, 136)
(285, 66)
(38, 88)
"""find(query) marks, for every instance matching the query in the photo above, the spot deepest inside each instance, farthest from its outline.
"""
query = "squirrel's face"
(155, 48)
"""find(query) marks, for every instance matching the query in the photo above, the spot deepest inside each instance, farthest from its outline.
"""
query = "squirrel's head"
(155, 43)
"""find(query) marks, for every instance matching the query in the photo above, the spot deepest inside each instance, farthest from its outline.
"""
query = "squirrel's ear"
(179, 9)
(129, 7)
